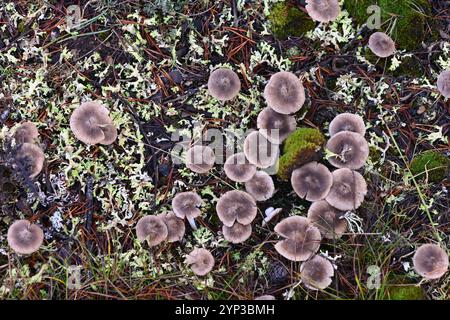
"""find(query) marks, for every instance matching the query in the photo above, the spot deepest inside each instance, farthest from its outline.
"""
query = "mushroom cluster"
(158, 228)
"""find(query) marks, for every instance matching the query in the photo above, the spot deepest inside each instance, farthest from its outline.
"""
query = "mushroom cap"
(261, 186)
(316, 273)
(312, 181)
(323, 10)
(31, 155)
(381, 44)
(186, 204)
(237, 233)
(200, 159)
(26, 132)
(327, 219)
(201, 261)
(236, 205)
(347, 191)
(238, 169)
(302, 238)
(443, 83)
(90, 121)
(224, 84)
(175, 226)
(265, 297)
(259, 151)
(110, 132)
(151, 228)
(347, 122)
(275, 126)
(24, 237)
(284, 92)
(430, 261)
(351, 150)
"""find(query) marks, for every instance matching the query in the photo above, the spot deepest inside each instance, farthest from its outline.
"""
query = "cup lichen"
(287, 20)
(302, 146)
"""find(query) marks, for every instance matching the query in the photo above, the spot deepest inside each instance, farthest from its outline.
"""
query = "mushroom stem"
(192, 223)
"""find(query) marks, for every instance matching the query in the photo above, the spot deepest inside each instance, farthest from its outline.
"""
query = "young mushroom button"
(238, 169)
(201, 261)
(443, 83)
(328, 219)
(237, 206)
(224, 84)
(312, 181)
(261, 186)
(24, 237)
(275, 126)
(284, 93)
(430, 261)
(349, 149)
(151, 228)
(316, 273)
(347, 191)
(323, 10)
(347, 122)
(381, 44)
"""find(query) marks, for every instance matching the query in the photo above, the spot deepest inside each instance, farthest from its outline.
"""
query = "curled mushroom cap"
(323, 10)
(265, 297)
(316, 273)
(302, 238)
(200, 159)
(224, 84)
(238, 168)
(347, 122)
(235, 206)
(31, 156)
(284, 92)
(259, 151)
(237, 233)
(350, 150)
(186, 204)
(24, 237)
(26, 133)
(430, 261)
(443, 83)
(275, 126)
(151, 228)
(91, 124)
(381, 44)
(175, 226)
(201, 261)
(261, 186)
(312, 181)
(327, 219)
(347, 191)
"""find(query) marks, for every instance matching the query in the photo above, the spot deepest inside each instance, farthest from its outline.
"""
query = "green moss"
(409, 66)
(409, 16)
(430, 163)
(286, 21)
(404, 292)
(300, 147)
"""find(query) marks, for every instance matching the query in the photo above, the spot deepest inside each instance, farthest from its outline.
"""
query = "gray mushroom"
(381, 44)
(350, 150)
(443, 83)
(224, 84)
(200, 159)
(32, 157)
(347, 122)
(323, 10)
(430, 261)
(261, 186)
(151, 229)
(187, 205)
(328, 219)
(259, 151)
(237, 206)
(237, 233)
(316, 273)
(26, 133)
(201, 261)
(24, 237)
(175, 226)
(275, 126)
(347, 191)
(284, 93)
(238, 168)
(312, 181)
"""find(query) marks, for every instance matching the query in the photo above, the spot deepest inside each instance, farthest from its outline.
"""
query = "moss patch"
(302, 146)
(286, 21)
(409, 16)
(431, 163)
(404, 292)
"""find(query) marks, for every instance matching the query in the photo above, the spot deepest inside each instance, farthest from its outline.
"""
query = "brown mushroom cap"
(186, 205)
(24, 237)
(91, 124)
(30, 155)
(430, 261)
(302, 238)
(238, 169)
(443, 83)
(259, 151)
(347, 191)
(312, 181)
(275, 126)
(316, 273)
(265, 297)
(201, 261)
(261, 186)
(224, 84)
(200, 159)
(327, 219)
(284, 93)
(381, 44)
(351, 150)
(323, 10)
(175, 226)
(237, 233)
(26, 133)
(237, 206)
(347, 122)
(151, 228)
